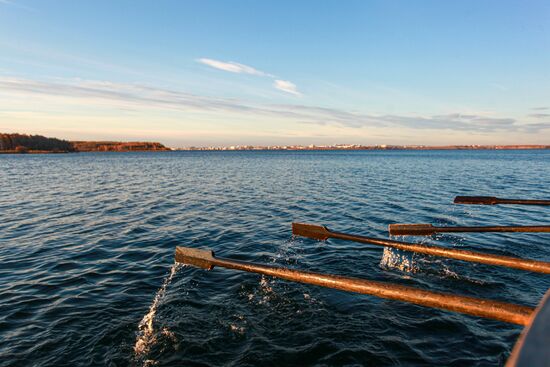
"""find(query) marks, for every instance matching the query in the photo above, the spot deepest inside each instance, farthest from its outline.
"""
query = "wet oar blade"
(310, 231)
(196, 257)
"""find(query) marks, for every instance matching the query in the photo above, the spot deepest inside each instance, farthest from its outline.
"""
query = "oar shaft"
(494, 229)
(465, 255)
(501, 311)
(523, 202)
(428, 229)
(490, 200)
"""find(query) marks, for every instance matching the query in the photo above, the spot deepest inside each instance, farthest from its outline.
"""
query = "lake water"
(87, 242)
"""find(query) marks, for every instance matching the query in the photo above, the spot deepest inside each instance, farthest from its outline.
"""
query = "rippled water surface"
(87, 274)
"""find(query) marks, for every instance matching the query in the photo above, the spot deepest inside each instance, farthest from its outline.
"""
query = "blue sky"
(279, 72)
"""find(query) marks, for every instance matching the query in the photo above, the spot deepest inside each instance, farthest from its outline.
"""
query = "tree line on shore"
(22, 143)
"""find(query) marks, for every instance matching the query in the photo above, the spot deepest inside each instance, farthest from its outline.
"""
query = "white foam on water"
(266, 290)
(395, 259)
(146, 335)
(237, 329)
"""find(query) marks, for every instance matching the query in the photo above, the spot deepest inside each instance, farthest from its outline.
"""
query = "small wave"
(146, 335)
(446, 272)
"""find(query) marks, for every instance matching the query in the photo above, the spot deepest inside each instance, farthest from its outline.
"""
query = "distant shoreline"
(369, 147)
(281, 150)
(37, 144)
(73, 152)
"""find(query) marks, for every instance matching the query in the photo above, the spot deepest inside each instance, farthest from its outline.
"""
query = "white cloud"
(232, 67)
(286, 86)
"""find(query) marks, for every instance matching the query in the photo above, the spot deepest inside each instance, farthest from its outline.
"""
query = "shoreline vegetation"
(37, 144)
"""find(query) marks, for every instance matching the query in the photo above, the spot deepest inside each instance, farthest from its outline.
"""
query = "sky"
(219, 73)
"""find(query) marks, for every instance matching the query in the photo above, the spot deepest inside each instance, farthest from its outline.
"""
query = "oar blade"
(483, 200)
(310, 231)
(199, 258)
(411, 229)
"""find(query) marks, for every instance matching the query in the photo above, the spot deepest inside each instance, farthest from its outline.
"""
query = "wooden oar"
(428, 229)
(491, 200)
(501, 311)
(323, 233)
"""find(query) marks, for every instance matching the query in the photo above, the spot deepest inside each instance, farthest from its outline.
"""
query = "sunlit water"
(87, 241)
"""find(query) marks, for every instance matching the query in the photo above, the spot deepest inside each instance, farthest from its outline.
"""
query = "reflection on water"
(87, 249)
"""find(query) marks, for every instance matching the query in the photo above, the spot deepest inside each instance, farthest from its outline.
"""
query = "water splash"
(401, 260)
(412, 263)
(146, 336)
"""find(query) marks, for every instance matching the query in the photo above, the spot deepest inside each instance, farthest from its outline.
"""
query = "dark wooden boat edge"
(532, 348)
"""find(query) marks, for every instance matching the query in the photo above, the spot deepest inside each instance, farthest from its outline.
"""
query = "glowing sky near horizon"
(277, 72)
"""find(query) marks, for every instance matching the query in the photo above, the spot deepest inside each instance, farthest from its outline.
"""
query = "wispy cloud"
(457, 121)
(124, 96)
(539, 108)
(540, 115)
(286, 86)
(235, 67)
(451, 122)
